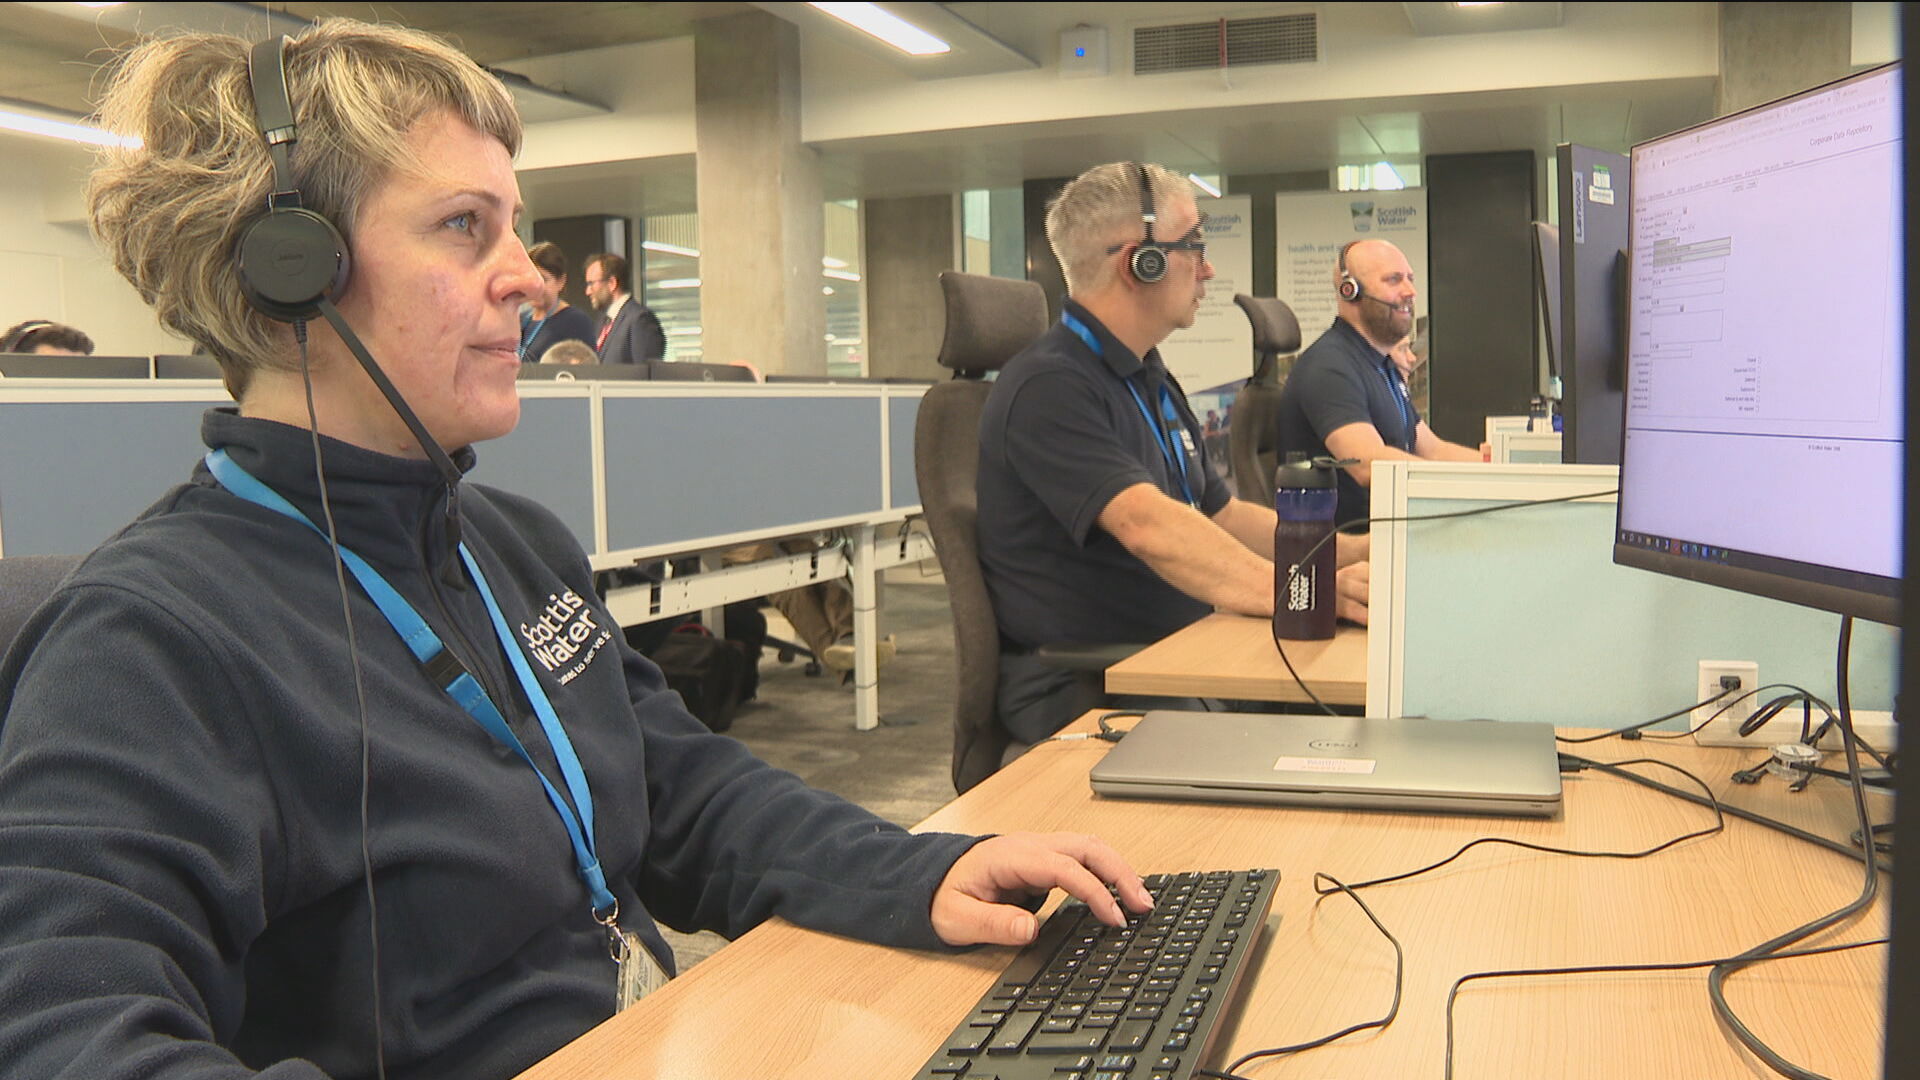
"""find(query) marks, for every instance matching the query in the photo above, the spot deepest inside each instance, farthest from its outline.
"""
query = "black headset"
(1349, 287)
(290, 258)
(21, 333)
(1149, 261)
(291, 262)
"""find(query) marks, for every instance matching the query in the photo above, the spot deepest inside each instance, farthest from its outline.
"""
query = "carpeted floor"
(900, 770)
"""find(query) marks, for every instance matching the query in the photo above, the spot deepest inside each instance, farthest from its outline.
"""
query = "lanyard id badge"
(639, 972)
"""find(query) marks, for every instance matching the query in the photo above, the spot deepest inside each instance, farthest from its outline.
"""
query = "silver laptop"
(1364, 763)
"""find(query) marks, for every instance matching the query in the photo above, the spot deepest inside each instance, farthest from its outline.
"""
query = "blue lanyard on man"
(428, 649)
(1399, 391)
(1170, 451)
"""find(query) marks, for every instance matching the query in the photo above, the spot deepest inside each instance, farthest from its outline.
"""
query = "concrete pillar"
(1775, 49)
(760, 200)
(908, 242)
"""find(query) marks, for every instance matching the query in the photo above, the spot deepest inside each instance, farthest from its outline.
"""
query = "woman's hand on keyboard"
(977, 902)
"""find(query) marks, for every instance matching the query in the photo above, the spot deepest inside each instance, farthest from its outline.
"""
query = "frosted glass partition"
(1522, 615)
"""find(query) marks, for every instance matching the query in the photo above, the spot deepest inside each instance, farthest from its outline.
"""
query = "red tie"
(604, 328)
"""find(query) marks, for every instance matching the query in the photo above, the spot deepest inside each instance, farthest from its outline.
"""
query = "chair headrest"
(989, 319)
(1275, 329)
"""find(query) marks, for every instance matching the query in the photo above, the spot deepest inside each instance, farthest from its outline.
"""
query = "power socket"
(1724, 730)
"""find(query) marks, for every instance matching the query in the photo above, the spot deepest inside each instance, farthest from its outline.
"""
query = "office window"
(1379, 176)
(993, 232)
(843, 289)
(670, 282)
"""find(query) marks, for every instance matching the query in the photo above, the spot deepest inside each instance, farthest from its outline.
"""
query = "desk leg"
(714, 618)
(866, 629)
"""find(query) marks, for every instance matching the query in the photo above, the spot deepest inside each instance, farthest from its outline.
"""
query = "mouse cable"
(359, 697)
(1370, 522)
(1719, 824)
(1231, 1072)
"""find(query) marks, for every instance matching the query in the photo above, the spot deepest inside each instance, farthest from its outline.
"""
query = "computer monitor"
(1765, 381)
(186, 367)
(672, 371)
(585, 372)
(44, 366)
(1593, 193)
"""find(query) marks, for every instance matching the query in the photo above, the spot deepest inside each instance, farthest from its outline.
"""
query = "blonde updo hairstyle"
(169, 211)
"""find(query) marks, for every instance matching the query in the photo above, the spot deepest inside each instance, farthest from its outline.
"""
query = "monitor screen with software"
(1764, 428)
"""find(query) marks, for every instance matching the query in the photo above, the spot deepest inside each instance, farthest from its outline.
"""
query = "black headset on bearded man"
(289, 258)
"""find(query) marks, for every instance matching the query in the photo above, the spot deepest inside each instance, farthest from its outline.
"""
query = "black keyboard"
(1088, 1001)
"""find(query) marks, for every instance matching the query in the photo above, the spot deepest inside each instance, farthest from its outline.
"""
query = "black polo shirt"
(1342, 379)
(1062, 433)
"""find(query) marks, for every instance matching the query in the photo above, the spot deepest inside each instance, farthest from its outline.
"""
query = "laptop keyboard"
(1088, 1001)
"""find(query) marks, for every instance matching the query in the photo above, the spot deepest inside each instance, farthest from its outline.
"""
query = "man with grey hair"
(1347, 395)
(1101, 519)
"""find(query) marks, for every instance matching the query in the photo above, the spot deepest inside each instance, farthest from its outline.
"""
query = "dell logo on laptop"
(1334, 744)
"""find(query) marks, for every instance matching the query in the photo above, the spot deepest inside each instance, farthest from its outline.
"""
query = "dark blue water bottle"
(1304, 594)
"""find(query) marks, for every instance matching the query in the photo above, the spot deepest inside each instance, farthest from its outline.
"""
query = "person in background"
(1347, 395)
(629, 333)
(284, 830)
(570, 352)
(1102, 519)
(549, 319)
(45, 339)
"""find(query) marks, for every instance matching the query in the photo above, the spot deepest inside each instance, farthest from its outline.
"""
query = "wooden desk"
(784, 1002)
(1232, 656)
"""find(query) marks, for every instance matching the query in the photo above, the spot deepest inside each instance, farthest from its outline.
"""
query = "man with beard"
(629, 332)
(1346, 396)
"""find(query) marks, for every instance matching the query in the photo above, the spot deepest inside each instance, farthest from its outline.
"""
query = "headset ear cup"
(1349, 288)
(287, 261)
(1149, 264)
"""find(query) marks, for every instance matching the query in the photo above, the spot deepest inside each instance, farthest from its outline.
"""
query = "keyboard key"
(1130, 1035)
(1015, 1032)
(1084, 1061)
(1072, 1042)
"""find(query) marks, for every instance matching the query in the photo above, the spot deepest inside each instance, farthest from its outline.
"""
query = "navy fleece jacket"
(181, 892)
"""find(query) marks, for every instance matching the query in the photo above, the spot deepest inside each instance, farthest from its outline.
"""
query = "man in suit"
(628, 332)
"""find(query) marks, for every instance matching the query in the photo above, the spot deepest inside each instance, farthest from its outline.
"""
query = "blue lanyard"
(529, 334)
(428, 649)
(1175, 458)
(1399, 393)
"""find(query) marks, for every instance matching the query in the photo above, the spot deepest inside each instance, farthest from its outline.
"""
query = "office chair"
(25, 583)
(1253, 435)
(988, 321)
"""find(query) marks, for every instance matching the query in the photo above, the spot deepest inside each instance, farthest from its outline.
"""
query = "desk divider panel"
(726, 462)
(1522, 615)
(903, 410)
(73, 472)
(549, 457)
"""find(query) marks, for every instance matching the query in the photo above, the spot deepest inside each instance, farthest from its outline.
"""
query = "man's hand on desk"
(1352, 584)
(971, 905)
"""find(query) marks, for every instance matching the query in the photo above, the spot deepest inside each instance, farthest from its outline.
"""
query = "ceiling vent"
(1217, 43)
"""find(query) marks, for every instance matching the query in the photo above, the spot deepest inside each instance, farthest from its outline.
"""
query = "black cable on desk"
(1719, 824)
(1393, 1010)
(1869, 889)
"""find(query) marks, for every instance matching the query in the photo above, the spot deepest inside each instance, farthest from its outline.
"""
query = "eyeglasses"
(1194, 241)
